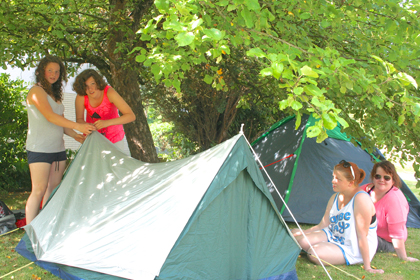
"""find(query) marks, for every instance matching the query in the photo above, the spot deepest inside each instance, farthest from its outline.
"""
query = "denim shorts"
(46, 157)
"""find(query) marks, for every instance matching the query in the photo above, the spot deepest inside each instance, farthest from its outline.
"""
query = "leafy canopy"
(353, 63)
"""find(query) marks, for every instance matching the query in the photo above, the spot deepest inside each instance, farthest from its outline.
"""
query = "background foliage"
(14, 168)
(350, 62)
(211, 65)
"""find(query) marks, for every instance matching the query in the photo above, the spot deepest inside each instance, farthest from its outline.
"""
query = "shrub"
(14, 175)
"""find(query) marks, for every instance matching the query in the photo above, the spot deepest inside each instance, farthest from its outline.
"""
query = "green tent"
(208, 216)
(301, 169)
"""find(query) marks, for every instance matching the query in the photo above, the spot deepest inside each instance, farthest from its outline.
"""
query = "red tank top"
(105, 111)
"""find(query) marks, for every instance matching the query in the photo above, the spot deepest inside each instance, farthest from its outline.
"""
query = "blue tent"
(301, 168)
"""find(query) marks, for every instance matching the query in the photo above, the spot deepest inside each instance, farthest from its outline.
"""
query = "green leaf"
(416, 109)
(155, 69)
(298, 120)
(256, 52)
(313, 131)
(401, 119)
(298, 90)
(307, 71)
(267, 72)
(208, 79)
(329, 121)
(225, 48)
(140, 58)
(214, 33)
(305, 15)
(277, 69)
(223, 3)
(247, 16)
(313, 90)
(195, 23)
(296, 105)
(174, 25)
(177, 84)
(162, 5)
(253, 5)
(406, 79)
(184, 38)
(288, 74)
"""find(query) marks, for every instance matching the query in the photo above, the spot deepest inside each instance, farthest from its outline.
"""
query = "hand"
(371, 270)
(86, 128)
(369, 186)
(80, 138)
(99, 124)
(296, 232)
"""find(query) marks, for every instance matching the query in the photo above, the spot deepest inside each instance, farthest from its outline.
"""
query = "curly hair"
(389, 168)
(55, 90)
(79, 85)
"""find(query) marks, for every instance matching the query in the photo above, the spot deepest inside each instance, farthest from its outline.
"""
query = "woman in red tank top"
(102, 104)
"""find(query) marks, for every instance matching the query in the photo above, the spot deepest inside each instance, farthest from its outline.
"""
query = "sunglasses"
(386, 177)
(347, 165)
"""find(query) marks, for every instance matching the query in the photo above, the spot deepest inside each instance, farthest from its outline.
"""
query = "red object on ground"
(21, 223)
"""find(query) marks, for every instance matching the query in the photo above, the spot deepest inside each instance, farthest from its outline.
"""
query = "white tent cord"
(288, 209)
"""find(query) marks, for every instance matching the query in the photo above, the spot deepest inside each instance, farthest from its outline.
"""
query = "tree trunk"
(138, 134)
(125, 82)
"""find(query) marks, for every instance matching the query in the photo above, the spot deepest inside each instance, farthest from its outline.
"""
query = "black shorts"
(384, 246)
(46, 157)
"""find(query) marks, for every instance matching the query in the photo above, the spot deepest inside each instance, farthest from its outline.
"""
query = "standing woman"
(347, 232)
(46, 125)
(391, 209)
(103, 106)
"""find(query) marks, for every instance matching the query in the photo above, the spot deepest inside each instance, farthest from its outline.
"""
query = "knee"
(312, 257)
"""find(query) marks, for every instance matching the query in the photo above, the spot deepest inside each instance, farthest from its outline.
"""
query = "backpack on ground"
(7, 218)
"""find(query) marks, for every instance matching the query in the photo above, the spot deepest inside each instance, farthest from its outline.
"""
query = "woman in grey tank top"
(46, 126)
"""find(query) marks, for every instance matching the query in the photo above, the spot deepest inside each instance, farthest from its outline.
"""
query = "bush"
(14, 175)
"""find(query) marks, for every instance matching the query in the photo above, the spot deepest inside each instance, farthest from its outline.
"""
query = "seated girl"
(347, 231)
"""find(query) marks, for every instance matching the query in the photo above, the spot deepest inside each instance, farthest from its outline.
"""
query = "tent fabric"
(304, 175)
(209, 216)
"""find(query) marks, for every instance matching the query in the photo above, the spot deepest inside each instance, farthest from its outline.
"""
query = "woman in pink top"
(102, 104)
(391, 209)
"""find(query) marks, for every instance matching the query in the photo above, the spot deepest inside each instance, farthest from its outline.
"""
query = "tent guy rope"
(16, 270)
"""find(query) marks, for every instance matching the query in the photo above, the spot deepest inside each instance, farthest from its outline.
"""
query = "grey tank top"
(44, 136)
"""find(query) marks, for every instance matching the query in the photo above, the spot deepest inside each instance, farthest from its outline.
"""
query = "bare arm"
(38, 97)
(122, 106)
(76, 136)
(399, 246)
(79, 105)
(363, 212)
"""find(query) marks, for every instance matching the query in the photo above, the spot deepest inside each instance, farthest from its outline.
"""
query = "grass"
(394, 268)
(10, 260)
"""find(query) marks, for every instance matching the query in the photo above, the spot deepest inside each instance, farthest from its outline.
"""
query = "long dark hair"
(79, 85)
(55, 90)
(389, 168)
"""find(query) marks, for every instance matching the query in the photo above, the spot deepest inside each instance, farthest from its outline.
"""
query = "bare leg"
(314, 237)
(39, 177)
(328, 252)
(56, 174)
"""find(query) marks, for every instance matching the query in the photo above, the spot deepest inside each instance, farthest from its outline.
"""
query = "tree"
(97, 32)
(354, 63)
(207, 115)
(13, 127)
